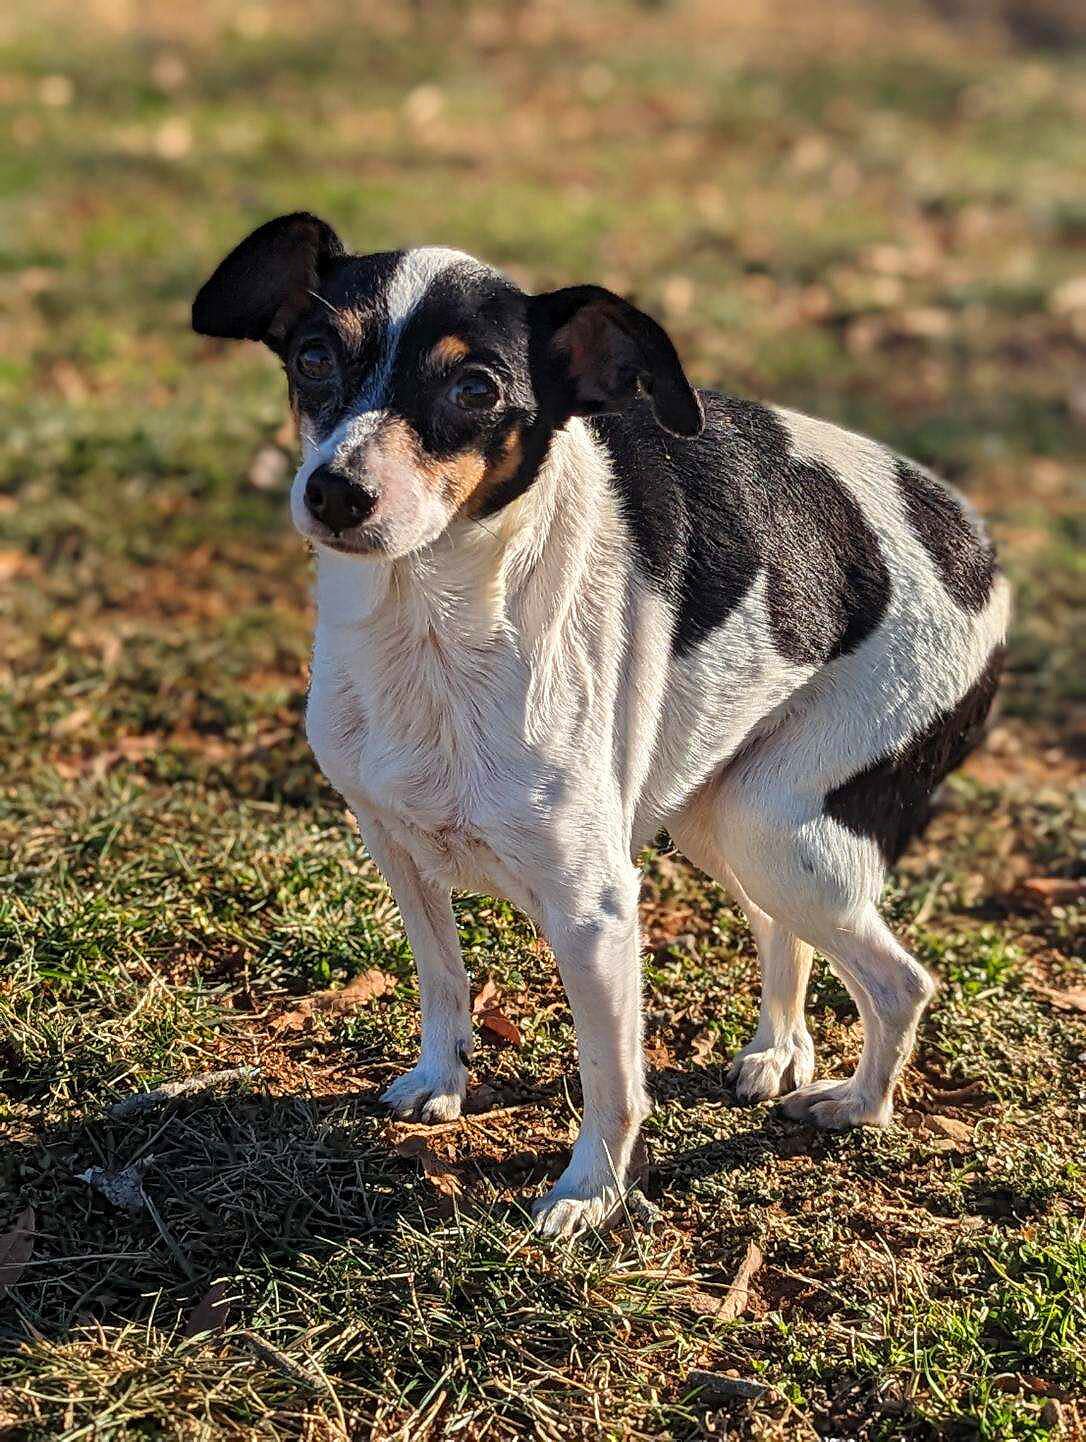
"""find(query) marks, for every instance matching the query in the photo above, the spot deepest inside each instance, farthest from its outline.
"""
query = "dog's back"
(822, 591)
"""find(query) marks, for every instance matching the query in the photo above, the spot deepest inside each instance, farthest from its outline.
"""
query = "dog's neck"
(515, 574)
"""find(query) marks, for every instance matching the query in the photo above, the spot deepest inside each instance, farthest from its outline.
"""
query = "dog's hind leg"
(780, 1056)
(819, 882)
(891, 990)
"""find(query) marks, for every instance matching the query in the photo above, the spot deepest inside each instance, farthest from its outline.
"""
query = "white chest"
(428, 736)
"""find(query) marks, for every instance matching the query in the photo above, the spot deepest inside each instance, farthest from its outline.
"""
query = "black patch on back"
(890, 800)
(961, 553)
(706, 513)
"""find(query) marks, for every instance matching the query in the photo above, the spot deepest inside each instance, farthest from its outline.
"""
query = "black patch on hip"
(959, 549)
(890, 800)
(707, 513)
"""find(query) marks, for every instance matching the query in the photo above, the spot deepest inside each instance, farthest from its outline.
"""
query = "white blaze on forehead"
(406, 290)
(401, 298)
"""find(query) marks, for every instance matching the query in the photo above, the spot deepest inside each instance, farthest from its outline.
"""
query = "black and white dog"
(566, 601)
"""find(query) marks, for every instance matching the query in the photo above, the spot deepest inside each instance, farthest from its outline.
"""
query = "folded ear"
(592, 350)
(266, 282)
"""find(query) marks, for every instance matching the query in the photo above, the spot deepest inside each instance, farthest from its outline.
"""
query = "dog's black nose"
(335, 501)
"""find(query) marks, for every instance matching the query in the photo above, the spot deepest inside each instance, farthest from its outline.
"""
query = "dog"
(564, 602)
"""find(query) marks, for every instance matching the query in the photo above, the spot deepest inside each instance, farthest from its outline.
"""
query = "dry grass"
(871, 212)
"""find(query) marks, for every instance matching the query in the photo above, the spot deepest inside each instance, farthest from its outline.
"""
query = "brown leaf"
(734, 1301)
(434, 1169)
(485, 998)
(1073, 999)
(16, 1249)
(210, 1313)
(14, 563)
(948, 1127)
(1055, 890)
(702, 1045)
(498, 1024)
(367, 986)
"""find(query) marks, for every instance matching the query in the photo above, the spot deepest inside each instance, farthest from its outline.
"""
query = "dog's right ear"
(266, 282)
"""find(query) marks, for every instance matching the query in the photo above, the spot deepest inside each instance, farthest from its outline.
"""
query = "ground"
(872, 212)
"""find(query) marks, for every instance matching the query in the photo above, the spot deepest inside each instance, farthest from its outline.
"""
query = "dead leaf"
(490, 1015)
(16, 1248)
(485, 998)
(702, 1046)
(733, 1303)
(498, 1024)
(14, 563)
(434, 1169)
(211, 1312)
(1055, 890)
(1073, 999)
(948, 1127)
(74, 721)
(367, 986)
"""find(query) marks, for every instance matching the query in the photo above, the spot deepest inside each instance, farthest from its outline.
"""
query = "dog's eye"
(314, 362)
(475, 391)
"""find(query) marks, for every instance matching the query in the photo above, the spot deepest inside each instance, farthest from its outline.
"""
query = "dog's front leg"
(600, 963)
(433, 1090)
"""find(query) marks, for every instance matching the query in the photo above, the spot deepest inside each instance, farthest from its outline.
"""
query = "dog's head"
(427, 386)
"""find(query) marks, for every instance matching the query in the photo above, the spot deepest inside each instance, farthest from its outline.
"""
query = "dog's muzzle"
(335, 501)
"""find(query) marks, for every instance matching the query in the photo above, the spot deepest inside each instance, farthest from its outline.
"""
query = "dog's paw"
(836, 1105)
(563, 1213)
(761, 1072)
(429, 1094)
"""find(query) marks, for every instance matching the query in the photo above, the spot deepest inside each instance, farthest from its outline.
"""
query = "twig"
(143, 1101)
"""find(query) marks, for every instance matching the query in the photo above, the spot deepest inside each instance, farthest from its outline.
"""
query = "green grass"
(855, 210)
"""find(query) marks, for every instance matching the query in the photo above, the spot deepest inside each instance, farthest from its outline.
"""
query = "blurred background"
(868, 209)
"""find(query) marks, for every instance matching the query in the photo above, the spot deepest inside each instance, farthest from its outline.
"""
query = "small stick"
(143, 1101)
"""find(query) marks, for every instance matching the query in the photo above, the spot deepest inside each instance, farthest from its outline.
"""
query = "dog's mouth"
(359, 544)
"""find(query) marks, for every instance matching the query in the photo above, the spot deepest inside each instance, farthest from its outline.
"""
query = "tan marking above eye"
(449, 350)
(352, 324)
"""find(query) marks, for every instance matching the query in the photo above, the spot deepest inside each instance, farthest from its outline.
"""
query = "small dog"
(566, 601)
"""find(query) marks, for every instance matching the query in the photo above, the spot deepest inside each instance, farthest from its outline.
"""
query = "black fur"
(264, 284)
(628, 349)
(708, 512)
(962, 554)
(890, 800)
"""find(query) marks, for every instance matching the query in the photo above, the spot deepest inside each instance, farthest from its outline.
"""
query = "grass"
(867, 212)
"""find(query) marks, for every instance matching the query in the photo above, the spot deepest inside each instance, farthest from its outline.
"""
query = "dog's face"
(426, 386)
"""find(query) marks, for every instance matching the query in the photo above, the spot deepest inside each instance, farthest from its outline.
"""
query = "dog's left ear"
(591, 350)
(266, 282)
